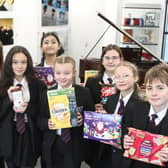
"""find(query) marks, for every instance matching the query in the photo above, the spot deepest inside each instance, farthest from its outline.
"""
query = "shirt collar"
(46, 65)
(126, 98)
(59, 87)
(105, 77)
(23, 82)
(160, 114)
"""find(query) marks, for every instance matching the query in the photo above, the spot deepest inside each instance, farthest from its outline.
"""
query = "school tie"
(121, 106)
(20, 123)
(66, 135)
(110, 80)
(152, 121)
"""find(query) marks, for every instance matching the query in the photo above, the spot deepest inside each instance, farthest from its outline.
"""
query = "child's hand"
(164, 155)
(21, 109)
(128, 141)
(99, 108)
(51, 125)
(80, 119)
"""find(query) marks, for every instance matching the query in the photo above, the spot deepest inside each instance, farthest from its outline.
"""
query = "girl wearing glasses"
(110, 57)
(125, 76)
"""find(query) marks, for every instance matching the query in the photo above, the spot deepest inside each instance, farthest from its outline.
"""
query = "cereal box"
(63, 108)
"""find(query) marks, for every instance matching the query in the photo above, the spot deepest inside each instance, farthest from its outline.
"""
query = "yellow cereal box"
(59, 108)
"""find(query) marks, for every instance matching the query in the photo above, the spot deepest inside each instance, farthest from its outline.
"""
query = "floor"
(82, 166)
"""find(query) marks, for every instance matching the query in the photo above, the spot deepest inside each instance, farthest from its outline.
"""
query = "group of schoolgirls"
(138, 107)
(27, 131)
(36, 137)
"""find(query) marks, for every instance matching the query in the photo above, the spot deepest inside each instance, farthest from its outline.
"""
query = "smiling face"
(110, 60)
(157, 94)
(64, 74)
(50, 45)
(125, 79)
(19, 65)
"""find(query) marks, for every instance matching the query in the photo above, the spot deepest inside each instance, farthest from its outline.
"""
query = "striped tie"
(121, 107)
(110, 80)
(66, 135)
(20, 123)
(152, 121)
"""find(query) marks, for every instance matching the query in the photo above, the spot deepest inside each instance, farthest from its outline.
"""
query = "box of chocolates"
(146, 146)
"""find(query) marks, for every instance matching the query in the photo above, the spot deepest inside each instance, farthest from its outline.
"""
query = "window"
(165, 36)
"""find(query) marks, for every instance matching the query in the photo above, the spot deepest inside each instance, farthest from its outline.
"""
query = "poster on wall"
(6, 31)
(54, 12)
(6, 5)
(63, 37)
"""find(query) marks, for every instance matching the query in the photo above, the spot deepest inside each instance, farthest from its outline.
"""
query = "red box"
(146, 146)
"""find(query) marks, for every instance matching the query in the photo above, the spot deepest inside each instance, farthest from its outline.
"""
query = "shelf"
(132, 43)
(143, 23)
(140, 26)
(142, 6)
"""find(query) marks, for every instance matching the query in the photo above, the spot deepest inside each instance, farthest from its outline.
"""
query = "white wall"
(85, 27)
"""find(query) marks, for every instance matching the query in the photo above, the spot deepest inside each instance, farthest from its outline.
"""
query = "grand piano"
(130, 54)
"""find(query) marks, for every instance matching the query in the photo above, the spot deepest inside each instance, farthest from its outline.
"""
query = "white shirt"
(105, 78)
(160, 114)
(59, 87)
(125, 100)
(25, 89)
(46, 65)
(26, 94)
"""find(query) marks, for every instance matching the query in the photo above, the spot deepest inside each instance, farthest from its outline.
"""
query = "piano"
(130, 54)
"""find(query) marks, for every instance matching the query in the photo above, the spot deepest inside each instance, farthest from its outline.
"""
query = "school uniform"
(43, 64)
(57, 153)
(21, 150)
(95, 86)
(139, 118)
(2, 164)
(110, 156)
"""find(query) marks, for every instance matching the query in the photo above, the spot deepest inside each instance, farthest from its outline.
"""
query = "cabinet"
(142, 21)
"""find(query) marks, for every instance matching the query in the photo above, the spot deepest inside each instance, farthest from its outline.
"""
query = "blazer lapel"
(164, 126)
(142, 117)
(113, 103)
(142, 110)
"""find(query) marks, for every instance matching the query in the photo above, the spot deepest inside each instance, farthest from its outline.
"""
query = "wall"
(155, 49)
(85, 27)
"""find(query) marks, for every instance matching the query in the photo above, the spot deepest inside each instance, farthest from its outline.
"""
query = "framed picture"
(6, 31)
(6, 5)
(54, 12)
(150, 19)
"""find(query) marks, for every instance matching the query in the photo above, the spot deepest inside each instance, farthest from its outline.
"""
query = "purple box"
(105, 128)
(46, 74)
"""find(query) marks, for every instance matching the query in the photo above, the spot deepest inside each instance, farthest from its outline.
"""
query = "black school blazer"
(137, 117)
(36, 87)
(94, 86)
(110, 106)
(84, 99)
